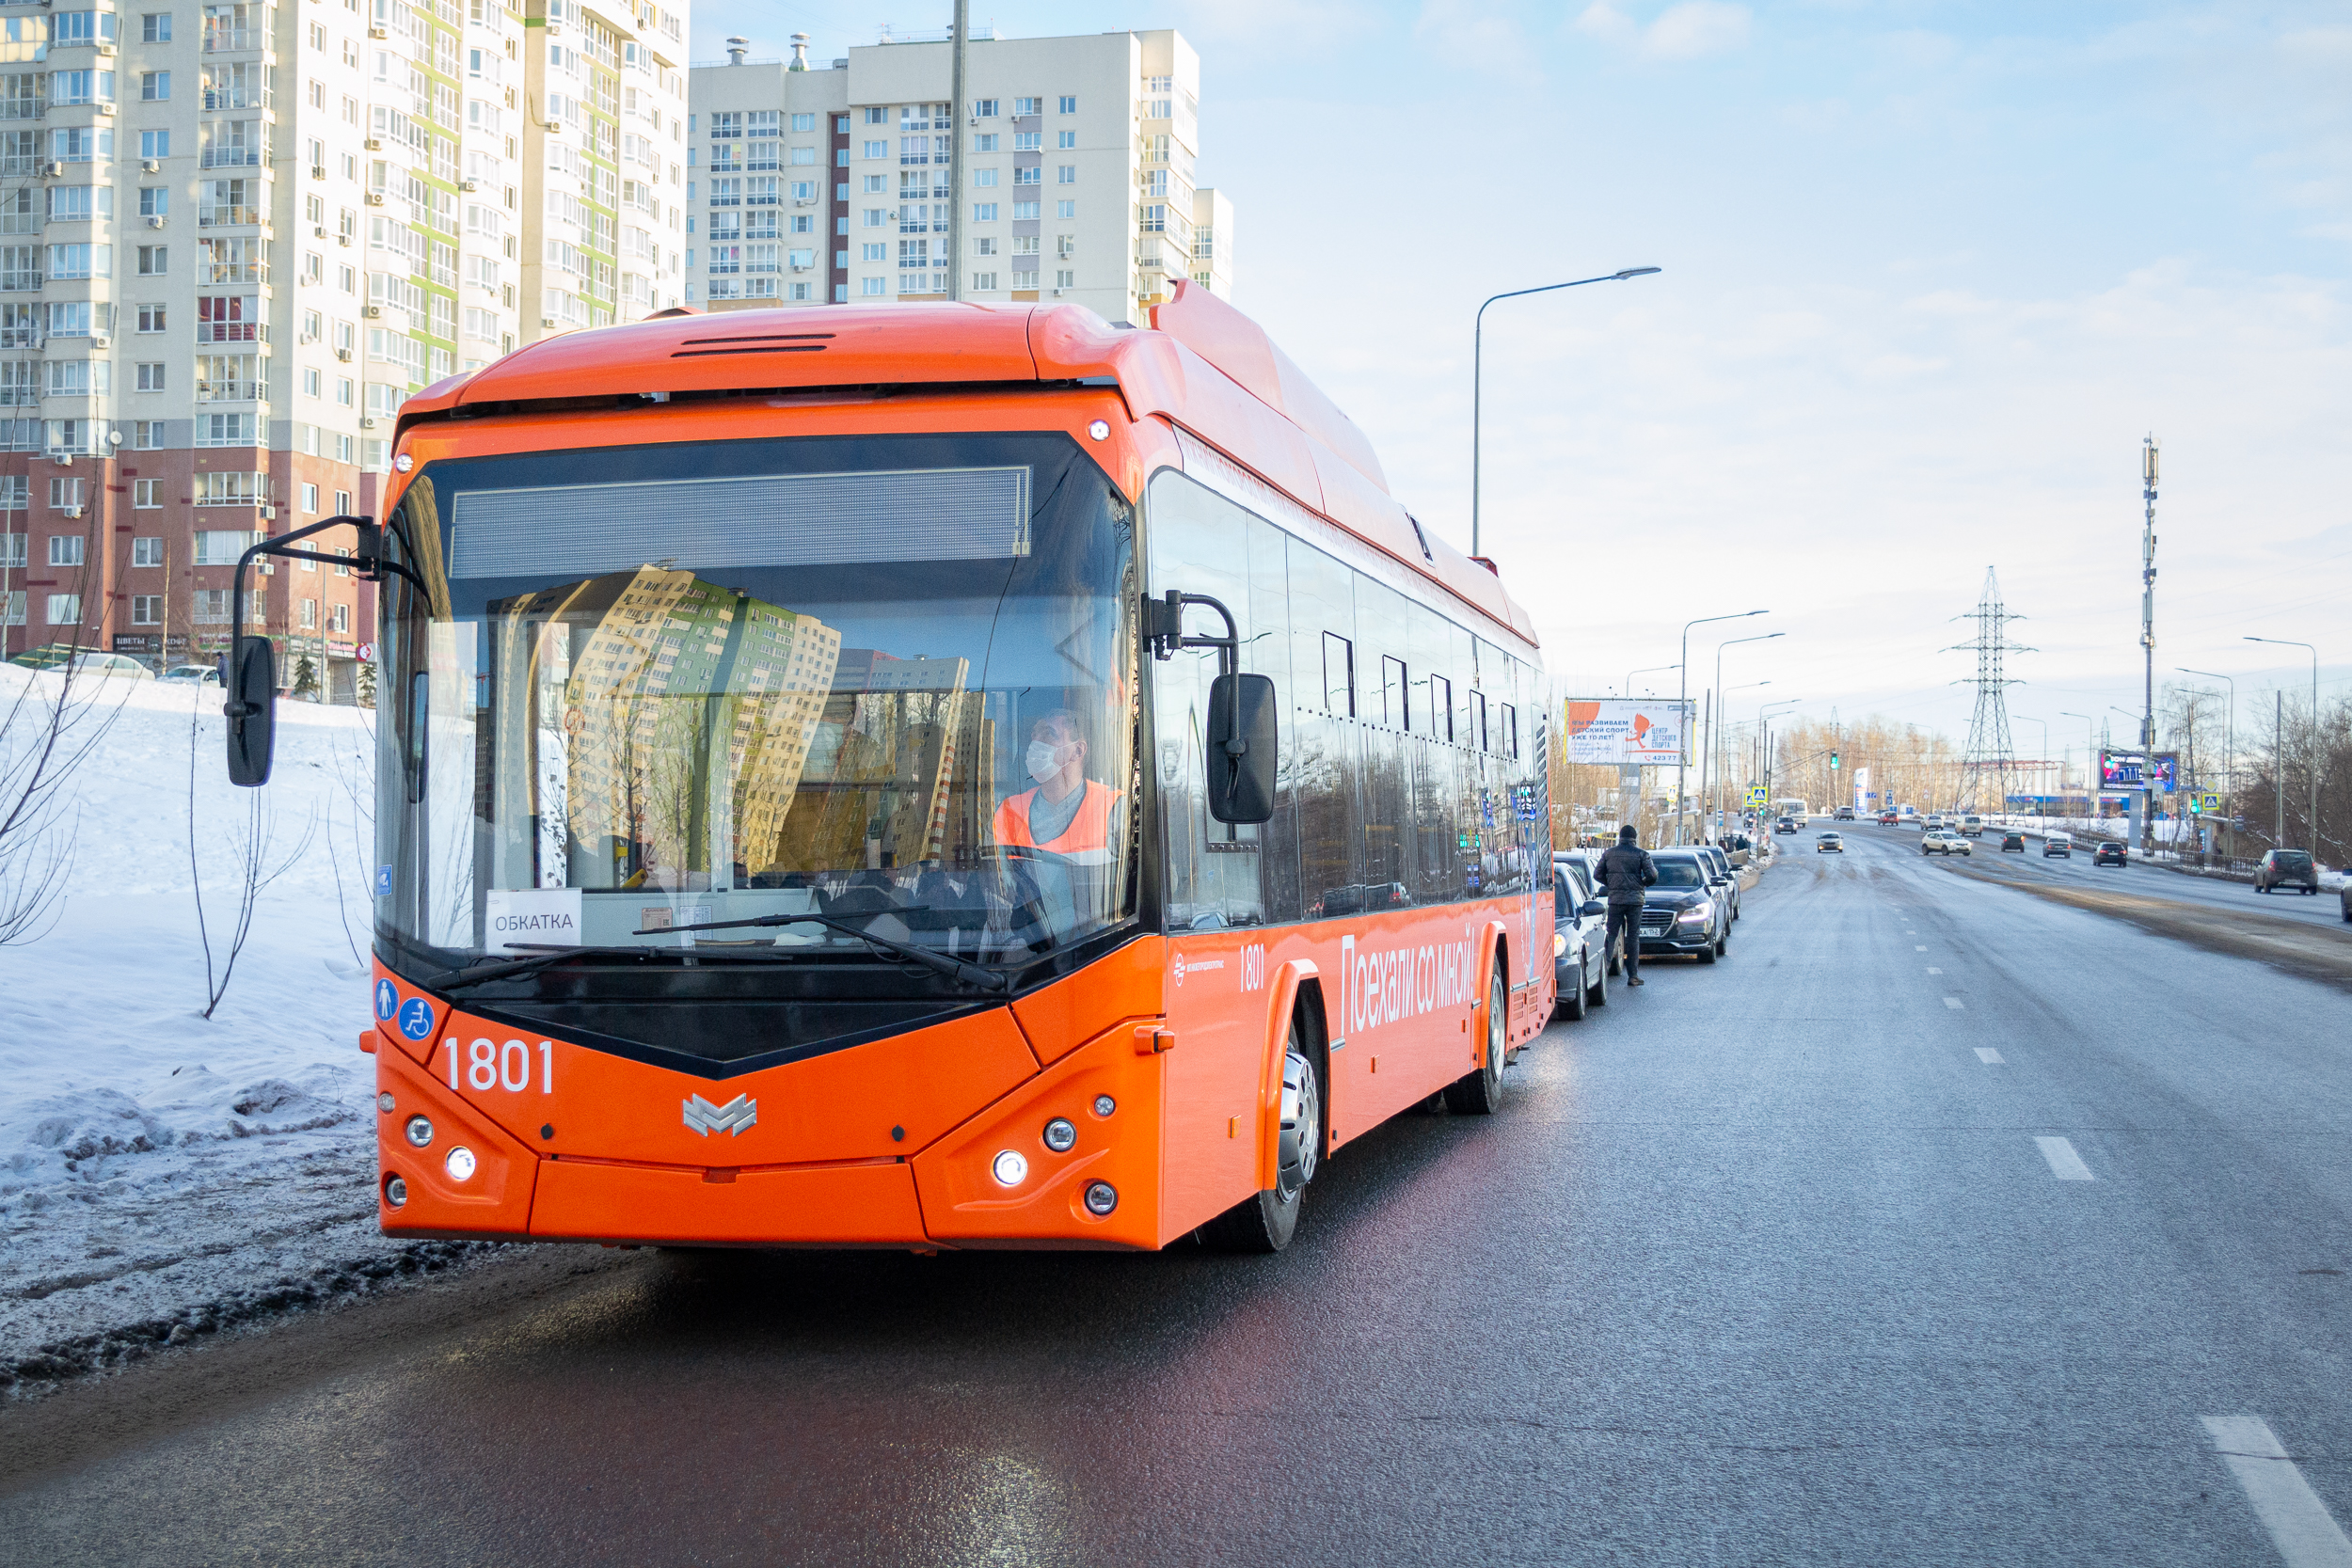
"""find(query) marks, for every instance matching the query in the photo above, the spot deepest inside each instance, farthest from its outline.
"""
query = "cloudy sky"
(1931, 271)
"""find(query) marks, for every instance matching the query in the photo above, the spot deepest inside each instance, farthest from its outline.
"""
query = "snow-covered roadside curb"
(163, 1174)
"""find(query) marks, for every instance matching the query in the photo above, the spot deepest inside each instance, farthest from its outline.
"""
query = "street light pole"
(1478, 367)
(1682, 711)
(2312, 763)
(1627, 690)
(2045, 740)
(1764, 741)
(2091, 785)
(2229, 753)
(1719, 717)
(1723, 759)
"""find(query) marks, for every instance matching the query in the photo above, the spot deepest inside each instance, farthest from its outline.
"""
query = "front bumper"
(1678, 939)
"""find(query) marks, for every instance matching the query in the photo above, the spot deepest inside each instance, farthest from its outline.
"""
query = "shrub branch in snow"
(45, 735)
(259, 863)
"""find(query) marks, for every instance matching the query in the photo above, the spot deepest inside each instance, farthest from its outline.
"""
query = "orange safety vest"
(1087, 837)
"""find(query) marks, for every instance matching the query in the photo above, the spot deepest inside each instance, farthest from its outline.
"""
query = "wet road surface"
(1938, 1223)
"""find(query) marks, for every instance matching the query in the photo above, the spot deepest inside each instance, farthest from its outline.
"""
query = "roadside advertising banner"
(2139, 769)
(1614, 732)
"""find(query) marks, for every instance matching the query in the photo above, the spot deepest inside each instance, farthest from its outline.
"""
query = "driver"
(1067, 814)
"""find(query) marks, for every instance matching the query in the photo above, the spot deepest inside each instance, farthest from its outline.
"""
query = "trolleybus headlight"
(420, 1131)
(1011, 1168)
(396, 1191)
(1101, 1198)
(460, 1164)
(1060, 1136)
(1105, 1104)
(384, 1100)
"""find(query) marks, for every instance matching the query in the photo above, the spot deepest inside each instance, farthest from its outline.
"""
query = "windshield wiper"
(500, 968)
(970, 974)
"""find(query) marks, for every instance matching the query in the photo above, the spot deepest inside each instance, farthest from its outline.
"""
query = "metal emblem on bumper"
(735, 1117)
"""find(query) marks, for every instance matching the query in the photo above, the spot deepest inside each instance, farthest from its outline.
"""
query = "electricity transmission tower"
(1986, 765)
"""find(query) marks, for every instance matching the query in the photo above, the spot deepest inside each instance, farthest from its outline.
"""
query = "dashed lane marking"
(1953, 1003)
(2306, 1534)
(1920, 949)
(1935, 971)
(2065, 1164)
(1989, 1056)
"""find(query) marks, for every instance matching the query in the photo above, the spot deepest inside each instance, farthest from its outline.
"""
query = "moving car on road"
(2279, 868)
(1972, 826)
(2110, 853)
(1786, 825)
(1681, 914)
(1888, 818)
(1579, 931)
(1843, 813)
(2012, 839)
(2058, 845)
(1937, 842)
(1829, 844)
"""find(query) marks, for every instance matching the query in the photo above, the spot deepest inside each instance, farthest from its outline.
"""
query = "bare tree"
(259, 863)
(46, 733)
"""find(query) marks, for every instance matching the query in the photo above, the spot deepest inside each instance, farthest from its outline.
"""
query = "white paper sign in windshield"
(1615, 732)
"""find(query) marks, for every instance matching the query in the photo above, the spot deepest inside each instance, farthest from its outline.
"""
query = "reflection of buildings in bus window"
(672, 664)
(896, 770)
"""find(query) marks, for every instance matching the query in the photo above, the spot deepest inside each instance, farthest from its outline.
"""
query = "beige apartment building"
(234, 237)
(812, 186)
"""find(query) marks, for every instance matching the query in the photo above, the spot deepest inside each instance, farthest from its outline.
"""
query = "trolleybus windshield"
(884, 680)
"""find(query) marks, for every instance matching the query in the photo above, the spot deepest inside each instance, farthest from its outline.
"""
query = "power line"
(1988, 751)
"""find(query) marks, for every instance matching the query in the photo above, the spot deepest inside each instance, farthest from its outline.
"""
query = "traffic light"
(1833, 762)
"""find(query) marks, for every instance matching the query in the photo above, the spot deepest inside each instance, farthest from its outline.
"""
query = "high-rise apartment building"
(812, 186)
(234, 237)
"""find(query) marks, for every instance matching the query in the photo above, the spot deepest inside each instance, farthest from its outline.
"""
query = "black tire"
(1723, 943)
(1597, 995)
(1573, 1000)
(1707, 954)
(1266, 1221)
(1479, 1091)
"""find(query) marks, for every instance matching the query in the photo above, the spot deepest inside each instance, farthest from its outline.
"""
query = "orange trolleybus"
(929, 776)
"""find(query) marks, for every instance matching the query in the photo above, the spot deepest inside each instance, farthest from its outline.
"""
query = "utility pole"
(957, 143)
(2279, 768)
(2147, 797)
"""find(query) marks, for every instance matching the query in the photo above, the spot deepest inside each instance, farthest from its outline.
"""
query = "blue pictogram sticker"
(383, 881)
(386, 1000)
(416, 1018)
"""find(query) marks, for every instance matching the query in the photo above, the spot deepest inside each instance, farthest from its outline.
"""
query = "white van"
(1972, 826)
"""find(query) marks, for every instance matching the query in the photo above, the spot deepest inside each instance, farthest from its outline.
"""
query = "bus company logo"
(1404, 982)
(1196, 965)
(736, 1116)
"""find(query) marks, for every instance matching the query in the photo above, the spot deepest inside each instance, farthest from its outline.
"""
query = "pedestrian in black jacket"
(1623, 871)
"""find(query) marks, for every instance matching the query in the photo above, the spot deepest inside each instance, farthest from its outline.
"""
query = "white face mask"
(1044, 760)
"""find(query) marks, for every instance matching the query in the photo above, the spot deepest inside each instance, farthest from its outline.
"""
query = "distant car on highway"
(1843, 813)
(1829, 844)
(2058, 845)
(1937, 842)
(1934, 824)
(2279, 868)
(2110, 853)
(1888, 818)
(1786, 825)
(1680, 914)
(2012, 839)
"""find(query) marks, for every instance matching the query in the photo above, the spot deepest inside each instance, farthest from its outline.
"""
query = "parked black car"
(2279, 868)
(2109, 853)
(1682, 912)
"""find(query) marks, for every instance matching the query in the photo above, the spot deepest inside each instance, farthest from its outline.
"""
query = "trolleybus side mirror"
(1241, 747)
(251, 708)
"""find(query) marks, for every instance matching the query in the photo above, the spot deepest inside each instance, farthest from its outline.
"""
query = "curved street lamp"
(2311, 825)
(1478, 367)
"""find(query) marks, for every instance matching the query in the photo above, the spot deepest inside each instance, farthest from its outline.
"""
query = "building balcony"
(238, 96)
(232, 392)
(228, 216)
(23, 108)
(233, 332)
(10, 281)
(234, 157)
(231, 272)
(229, 41)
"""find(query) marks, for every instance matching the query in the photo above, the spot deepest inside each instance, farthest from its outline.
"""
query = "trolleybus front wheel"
(1479, 1091)
(1265, 1222)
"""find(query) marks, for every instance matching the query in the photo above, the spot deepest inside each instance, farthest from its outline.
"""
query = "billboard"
(2139, 769)
(1617, 732)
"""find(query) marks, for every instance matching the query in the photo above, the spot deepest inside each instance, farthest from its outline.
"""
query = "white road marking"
(1935, 971)
(2300, 1527)
(1918, 949)
(1953, 1003)
(2065, 1164)
(1989, 1056)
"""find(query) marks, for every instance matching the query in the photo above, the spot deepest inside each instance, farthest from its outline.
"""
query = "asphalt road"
(2136, 875)
(1784, 1260)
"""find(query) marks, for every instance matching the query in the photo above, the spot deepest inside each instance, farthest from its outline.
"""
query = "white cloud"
(1696, 27)
(1604, 21)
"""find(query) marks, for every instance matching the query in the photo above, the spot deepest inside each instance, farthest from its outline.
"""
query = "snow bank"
(155, 1164)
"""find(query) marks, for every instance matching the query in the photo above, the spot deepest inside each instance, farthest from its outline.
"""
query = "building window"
(151, 375)
(1067, 103)
(1065, 208)
(310, 615)
(984, 177)
(154, 86)
(310, 500)
(147, 494)
(984, 283)
(148, 435)
(147, 610)
(154, 144)
(339, 618)
(877, 115)
(1065, 279)
(1027, 141)
(155, 28)
(983, 212)
(65, 610)
(148, 551)
(1028, 176)
(1027, 107)
(65, 549)
(870, 286)
(150, 318)
(1066, 174)
(154, 260)
(343, 503)
(984, 108)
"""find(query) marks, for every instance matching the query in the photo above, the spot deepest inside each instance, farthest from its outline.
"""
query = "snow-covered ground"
(163, 1173)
